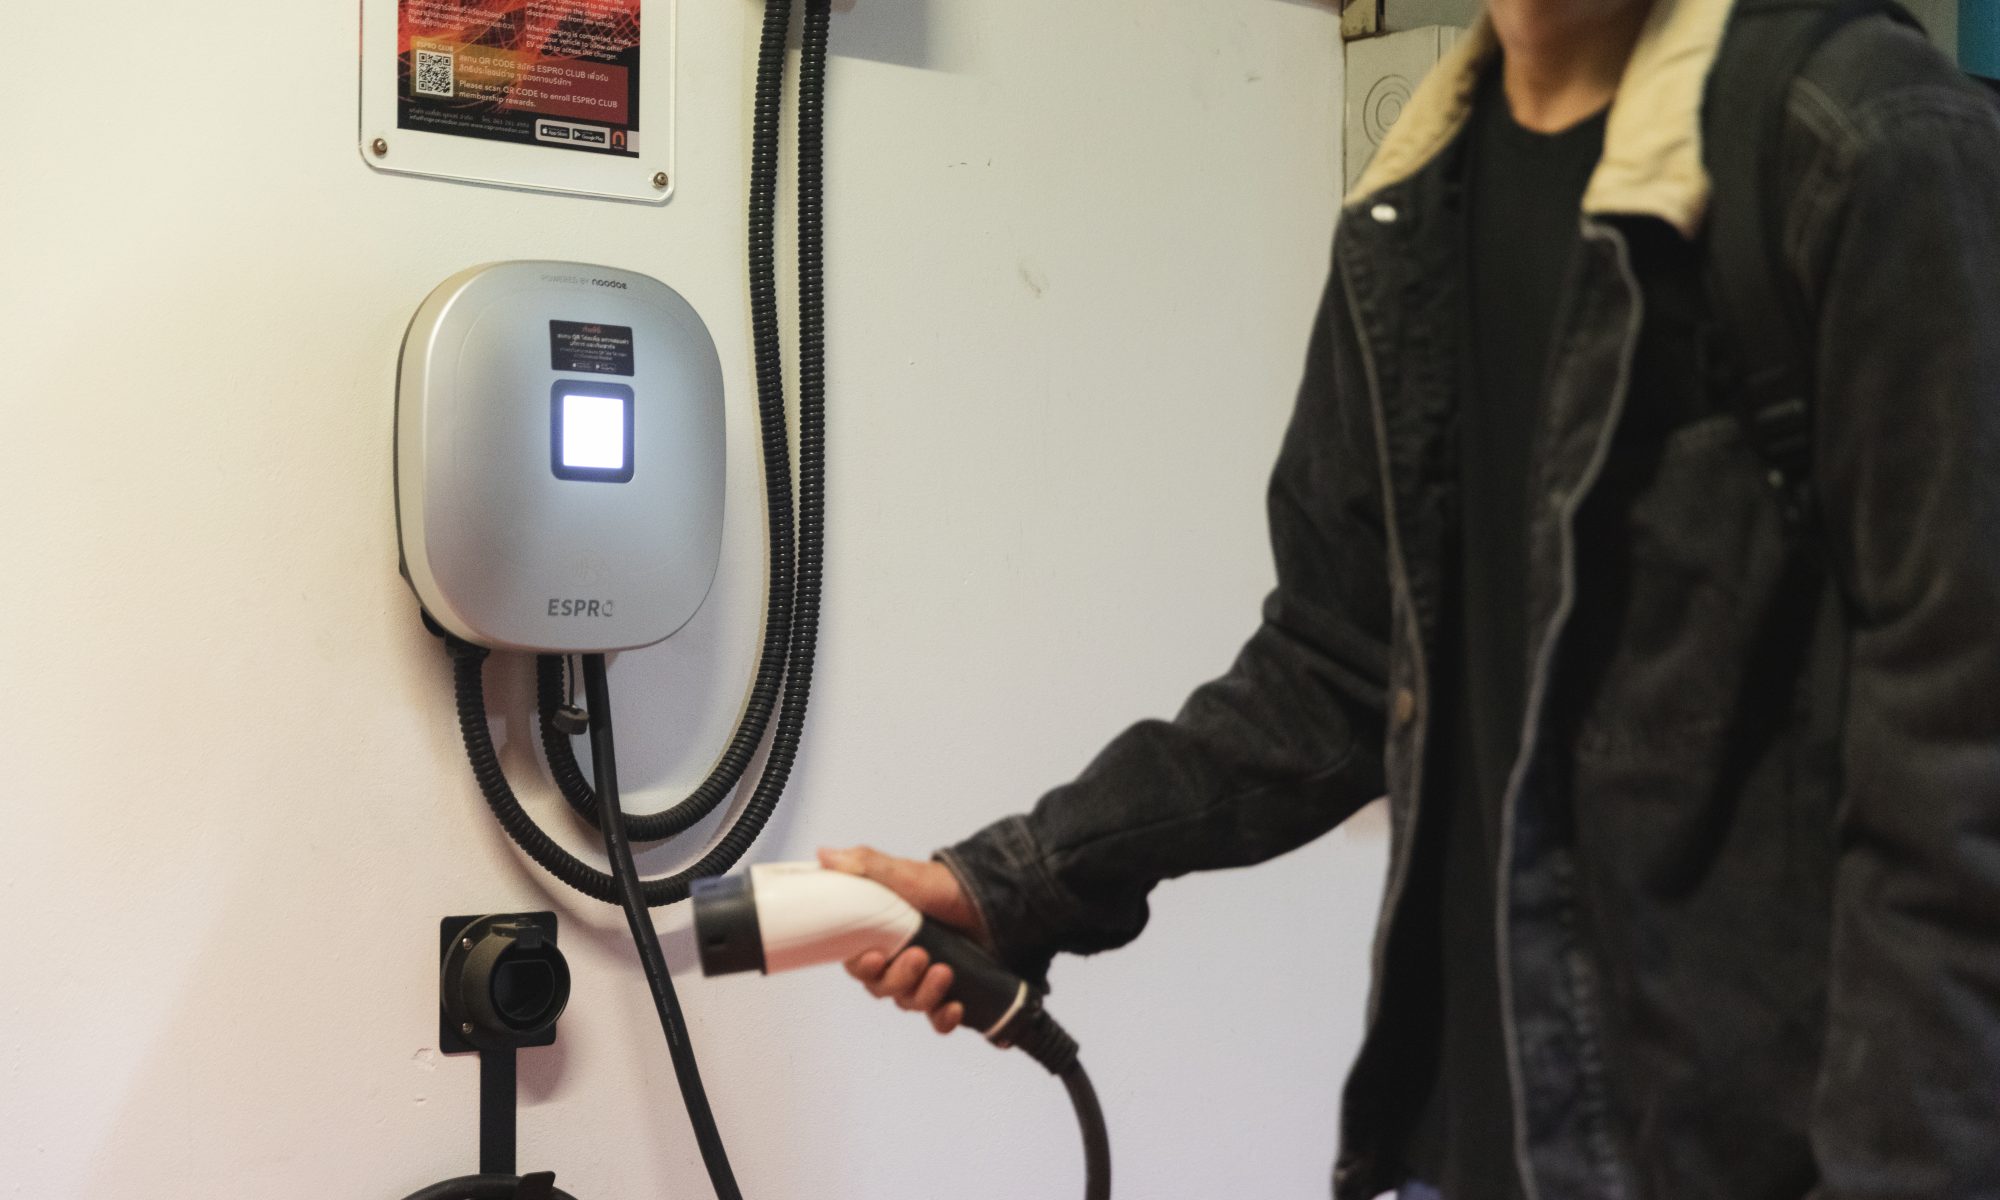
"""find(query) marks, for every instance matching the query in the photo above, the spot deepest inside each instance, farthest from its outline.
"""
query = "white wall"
(1074, 254)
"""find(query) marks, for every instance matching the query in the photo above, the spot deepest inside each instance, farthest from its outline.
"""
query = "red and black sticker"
(561, 73)
(591, 349)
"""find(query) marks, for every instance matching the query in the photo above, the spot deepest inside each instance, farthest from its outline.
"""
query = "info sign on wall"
(555, 95)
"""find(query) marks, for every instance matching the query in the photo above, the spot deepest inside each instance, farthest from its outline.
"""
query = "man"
(1695, 887)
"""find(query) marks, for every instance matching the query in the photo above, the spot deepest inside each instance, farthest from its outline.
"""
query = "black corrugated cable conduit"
(792, 611)
(779, 644)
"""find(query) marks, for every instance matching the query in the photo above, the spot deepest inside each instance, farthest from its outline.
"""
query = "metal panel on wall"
(1382, 75)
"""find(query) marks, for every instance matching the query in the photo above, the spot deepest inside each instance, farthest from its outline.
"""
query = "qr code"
(434, 74)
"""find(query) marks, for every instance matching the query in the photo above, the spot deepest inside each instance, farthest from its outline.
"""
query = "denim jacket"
(1749, 932)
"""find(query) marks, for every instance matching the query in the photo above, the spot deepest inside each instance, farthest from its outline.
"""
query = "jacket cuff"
(1001, 869)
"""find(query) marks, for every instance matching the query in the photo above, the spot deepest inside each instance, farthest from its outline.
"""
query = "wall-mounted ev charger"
(559, 490)
(559, 457)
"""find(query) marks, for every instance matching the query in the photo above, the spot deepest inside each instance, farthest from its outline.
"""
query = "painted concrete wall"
(1075, 252)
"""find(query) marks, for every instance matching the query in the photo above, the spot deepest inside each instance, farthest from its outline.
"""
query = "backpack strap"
(1765, 317)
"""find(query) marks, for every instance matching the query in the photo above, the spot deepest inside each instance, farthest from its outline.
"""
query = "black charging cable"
(639, 918)
(1096, 1139)
(1050, 1045)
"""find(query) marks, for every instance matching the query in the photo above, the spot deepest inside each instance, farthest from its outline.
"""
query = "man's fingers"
(930, 991)
(850, 861)
(865, 861)
(868, 965)
(902, 876)
(929, 885)
(902, 976)
(910, 978)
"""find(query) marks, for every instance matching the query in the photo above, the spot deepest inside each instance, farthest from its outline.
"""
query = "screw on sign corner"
(660, 180)
(380, 146)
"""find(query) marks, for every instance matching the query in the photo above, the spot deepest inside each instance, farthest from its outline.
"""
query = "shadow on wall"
(890, 31)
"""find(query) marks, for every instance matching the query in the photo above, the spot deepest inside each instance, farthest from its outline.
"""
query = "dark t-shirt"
(1524, 193)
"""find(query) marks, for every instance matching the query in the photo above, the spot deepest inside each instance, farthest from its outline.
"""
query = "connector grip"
(995, 999)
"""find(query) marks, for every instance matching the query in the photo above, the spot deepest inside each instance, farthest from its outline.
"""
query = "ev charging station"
(559, 467)
(559, 457)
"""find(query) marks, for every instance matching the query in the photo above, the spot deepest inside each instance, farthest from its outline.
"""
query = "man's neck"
(1564, 58)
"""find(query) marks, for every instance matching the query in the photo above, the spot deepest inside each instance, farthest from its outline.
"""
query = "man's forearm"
(1270, 755)
(1259, 762)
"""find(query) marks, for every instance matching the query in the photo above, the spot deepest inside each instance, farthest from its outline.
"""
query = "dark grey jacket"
(1750, 932)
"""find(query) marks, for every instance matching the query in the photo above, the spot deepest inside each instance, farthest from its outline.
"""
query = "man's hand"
(910, 979)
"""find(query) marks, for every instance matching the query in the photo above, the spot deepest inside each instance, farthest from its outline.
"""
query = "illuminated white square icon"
(593, 431)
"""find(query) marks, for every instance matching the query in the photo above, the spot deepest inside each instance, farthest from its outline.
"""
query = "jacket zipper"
(1399, 869)
(1538, 686)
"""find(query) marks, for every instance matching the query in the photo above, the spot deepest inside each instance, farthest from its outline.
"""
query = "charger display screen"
(590, 430)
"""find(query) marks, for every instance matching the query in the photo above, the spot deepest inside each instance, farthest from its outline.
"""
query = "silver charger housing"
(559, 457)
